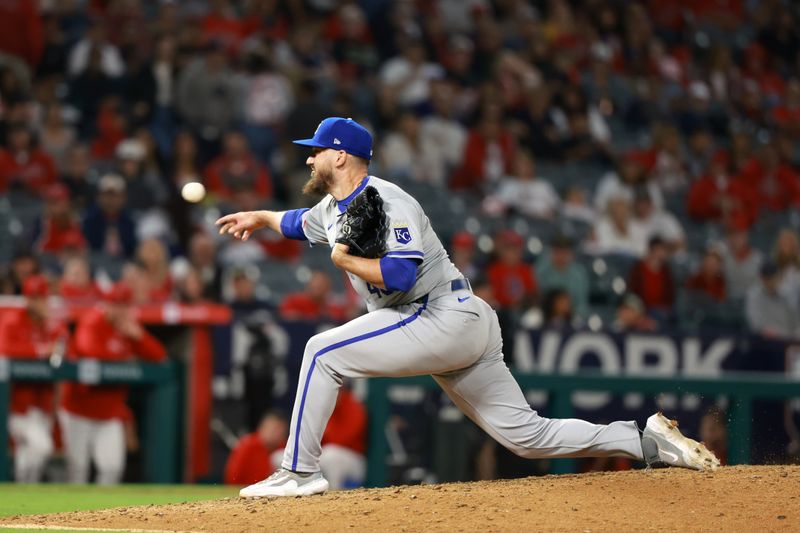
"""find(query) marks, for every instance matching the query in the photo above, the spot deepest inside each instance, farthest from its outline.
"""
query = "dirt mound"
(743, 498)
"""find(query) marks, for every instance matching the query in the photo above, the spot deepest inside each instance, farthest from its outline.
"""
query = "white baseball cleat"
(286, 483)
(664, 444)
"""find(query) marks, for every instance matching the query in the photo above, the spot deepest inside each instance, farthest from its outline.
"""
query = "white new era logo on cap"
(336, 141)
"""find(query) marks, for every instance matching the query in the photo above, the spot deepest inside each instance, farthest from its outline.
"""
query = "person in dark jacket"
(107, 225)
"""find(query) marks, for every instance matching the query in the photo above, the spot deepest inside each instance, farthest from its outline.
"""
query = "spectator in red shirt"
(223, 25)
(787, 114)
(256, 454)
(513, 281)
(23, 165)
(709, 278)
(236, 175)
(650, 278)
(153, 259)
(774, 183)
(462, 253)
(344, 443)
(31, 333)
(314, 303)
(93, 416)
(717, 196)
(488, 154)
(21, 32)
(59, 229)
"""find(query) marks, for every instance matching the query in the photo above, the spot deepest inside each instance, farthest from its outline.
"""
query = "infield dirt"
(742, 498)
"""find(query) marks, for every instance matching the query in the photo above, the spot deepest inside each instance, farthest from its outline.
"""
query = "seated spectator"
(112, 128)
(700, 152)
(615, 232)
(202, 257)
(93, 416)
(55, 137)
(207, 98)
(107, 224)
(343, 461)
(717, 196)
(189, 288)
(578, 143)
(32, 333)
(631, 316)
(23, 166)
(773, 182)
(76, 284)
(709, 278)
(144, 186)
(650, 278)
(558, 269)
(512, 279)
(440, 130)
(96, 41)
(742, 262)
(668, 173)
(23, 264)
(768, 311)
(59, 228)
(237, 172)
(258, 454)
(629, 177)
(488, 153)
(315, 303)
(786, 255)
(153, 258)
(525, 193)
(78, 176)
(244, 299)
(268, 98)
(405, 79)
(657, 222)
(576, 206)
(134, 276)
(404, 154)
(556, 309)
(462, 253)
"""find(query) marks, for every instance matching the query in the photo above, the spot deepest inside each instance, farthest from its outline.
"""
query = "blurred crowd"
(595, 163)
(660, 137)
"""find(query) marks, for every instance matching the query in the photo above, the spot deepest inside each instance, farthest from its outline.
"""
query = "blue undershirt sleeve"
(399, 273)
(292, 224)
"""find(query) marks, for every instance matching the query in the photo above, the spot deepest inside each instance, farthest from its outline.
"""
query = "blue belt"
(459, 284)
(455, 285)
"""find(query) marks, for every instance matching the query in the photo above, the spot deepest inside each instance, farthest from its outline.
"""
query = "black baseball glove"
(365, 225)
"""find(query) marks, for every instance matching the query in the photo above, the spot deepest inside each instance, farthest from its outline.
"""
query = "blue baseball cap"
(341, 134)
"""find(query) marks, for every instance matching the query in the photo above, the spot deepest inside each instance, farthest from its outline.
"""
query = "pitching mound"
(744, 498)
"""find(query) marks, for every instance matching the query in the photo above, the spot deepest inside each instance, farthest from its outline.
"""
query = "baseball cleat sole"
(675, 449)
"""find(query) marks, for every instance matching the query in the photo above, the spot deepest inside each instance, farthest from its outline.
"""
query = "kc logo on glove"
(402, 235)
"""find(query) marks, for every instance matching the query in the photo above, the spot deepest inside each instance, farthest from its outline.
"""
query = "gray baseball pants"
(454, 336)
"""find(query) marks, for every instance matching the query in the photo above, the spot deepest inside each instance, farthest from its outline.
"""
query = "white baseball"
(193, 192)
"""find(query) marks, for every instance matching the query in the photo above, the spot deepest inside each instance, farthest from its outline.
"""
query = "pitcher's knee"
(315, 345)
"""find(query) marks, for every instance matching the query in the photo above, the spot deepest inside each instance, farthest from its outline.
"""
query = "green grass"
(41, 499)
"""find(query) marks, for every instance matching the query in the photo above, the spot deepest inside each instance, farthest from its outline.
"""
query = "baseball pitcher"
(422, 319)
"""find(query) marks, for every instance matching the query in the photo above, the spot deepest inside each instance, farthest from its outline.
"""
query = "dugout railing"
(159, 388)
(740, 388)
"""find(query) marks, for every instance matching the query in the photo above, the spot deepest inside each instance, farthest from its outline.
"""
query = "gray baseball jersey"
(410, 236)
(436, 328)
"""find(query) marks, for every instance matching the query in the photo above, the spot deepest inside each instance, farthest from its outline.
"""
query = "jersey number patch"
(402, 235)
(376, 290)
